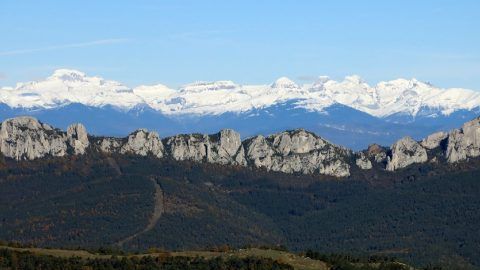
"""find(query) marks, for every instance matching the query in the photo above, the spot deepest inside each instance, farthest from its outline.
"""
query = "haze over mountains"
(348, 112)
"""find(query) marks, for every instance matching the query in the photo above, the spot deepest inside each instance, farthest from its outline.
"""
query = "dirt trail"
(158, 210)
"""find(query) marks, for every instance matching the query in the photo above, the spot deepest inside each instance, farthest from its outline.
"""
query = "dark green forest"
(424, 214)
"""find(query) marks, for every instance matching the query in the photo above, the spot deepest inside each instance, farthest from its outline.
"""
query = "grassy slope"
(298, 262)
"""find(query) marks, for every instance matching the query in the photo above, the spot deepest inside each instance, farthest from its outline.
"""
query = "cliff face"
(27, 138)
(465, 142)
(297, 151)
(405, 152)
(142, 142)
(224, 147)
(78, 138)
(363, 162)
(455, 146)
(434, 140)
(294, 151)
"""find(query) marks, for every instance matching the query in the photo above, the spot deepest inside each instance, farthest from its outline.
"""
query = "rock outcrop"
(465, 142)
(377, 152)
(27, 138)
(227, 148)
(405, 152)
(193, 147)
(109, 145)
(224, 147)
(77, 137)
(294, 151)
(297, 151)
(143, 143)
(259, 152)
(363, 162)
(434, 140)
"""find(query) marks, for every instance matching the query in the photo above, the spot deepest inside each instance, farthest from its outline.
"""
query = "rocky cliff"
(454, 146)
(27, 138)
(294, 151)
(78, 138)
(142, 142)
(224, 147)
(297, 151)
(465, 142)
(405, 152)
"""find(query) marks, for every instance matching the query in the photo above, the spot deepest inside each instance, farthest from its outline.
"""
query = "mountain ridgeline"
(348, 112)
(294, 151)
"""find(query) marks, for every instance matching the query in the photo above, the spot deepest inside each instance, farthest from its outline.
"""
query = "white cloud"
(65, 46)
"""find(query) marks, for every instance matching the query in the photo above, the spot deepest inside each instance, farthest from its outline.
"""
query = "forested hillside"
(426, 213)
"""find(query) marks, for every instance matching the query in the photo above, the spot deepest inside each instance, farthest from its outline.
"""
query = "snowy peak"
(158, 90)
(400, 96)
(400, 85)
(67, 75)
(66, 86)
(69, 78)
(319, 84)
(284, 83)
(355, 79)
(208, 86)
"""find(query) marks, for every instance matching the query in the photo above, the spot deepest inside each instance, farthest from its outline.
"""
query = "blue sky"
(176, 42)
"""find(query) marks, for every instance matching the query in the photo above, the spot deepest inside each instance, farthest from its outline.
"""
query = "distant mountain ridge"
(349, 112)
(402, 96)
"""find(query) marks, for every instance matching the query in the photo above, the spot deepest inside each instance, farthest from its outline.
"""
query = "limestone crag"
(434, 140)
(26, 138)
(109, 145)
(224, 147)
(227, 148)
(455, 146)
(188, 147)
(294, 151)
(259, 152)
(363, 162)
(405, 152)
(376, 152)
(465, 142)
(143, 143)
(297, 151)
(78, 138)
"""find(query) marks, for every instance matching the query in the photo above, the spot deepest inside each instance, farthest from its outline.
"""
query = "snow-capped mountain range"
(348, 112)
(65, 87)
